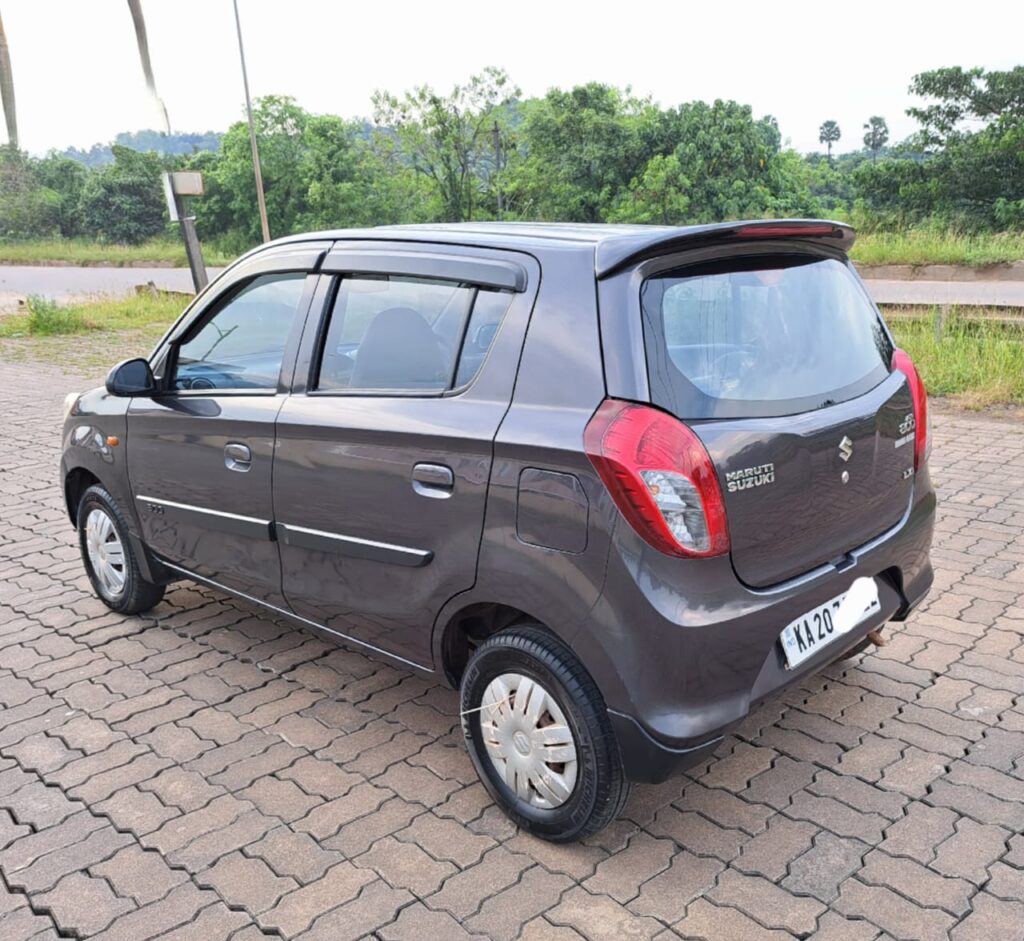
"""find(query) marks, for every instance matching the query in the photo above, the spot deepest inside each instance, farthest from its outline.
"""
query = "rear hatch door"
(780, 363)
(803, 490)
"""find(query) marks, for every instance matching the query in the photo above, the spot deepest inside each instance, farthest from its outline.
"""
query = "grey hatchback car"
(615, 483)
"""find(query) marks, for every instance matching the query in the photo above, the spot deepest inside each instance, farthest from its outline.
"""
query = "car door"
(200, 451)
(384, 449)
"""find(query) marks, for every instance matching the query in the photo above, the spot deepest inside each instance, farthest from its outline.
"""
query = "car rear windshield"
(760, 336)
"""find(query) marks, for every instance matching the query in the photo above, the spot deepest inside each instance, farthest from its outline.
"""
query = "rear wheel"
(539, 736)
(109, 559)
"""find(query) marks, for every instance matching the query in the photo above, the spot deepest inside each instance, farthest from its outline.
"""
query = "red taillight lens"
(902, 361)
(784, 231)
(661, 478)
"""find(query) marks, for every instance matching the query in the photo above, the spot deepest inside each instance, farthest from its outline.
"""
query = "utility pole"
(496, 131)
(252, 133)
(175, 203)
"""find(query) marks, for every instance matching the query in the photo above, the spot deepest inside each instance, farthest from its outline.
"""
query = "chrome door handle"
(237, 457)
(433, 480)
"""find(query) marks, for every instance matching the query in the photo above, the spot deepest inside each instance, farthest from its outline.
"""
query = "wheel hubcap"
(528, 740)
(106, 554)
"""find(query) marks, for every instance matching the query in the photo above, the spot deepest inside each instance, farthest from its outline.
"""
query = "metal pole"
(195, 255)
(497, 167)
(252, 133)
(188, 223)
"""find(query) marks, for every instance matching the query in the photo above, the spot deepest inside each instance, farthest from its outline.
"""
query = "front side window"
(388, 333)
(242, 345)
(760, 336)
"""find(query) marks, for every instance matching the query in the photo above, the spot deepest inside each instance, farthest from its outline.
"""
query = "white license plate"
(821, 626)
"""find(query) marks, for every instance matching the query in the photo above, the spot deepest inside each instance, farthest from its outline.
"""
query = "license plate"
(821, 626)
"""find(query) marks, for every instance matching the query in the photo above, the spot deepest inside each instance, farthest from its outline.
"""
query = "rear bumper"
(683, 652)
(649, 761)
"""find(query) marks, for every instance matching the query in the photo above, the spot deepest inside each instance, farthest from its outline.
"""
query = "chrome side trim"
(233, 523)
(291, 615)
(321, 541)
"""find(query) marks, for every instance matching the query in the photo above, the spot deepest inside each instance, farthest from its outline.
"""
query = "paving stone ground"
(207, 772)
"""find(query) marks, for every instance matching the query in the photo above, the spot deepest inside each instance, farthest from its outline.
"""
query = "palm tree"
(877, 135)
(828, 134)
(7, 90)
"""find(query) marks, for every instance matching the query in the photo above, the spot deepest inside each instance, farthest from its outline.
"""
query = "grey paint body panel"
(368, 546)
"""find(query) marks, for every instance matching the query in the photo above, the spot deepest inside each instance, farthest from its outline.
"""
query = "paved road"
(973, 293)
(207, 772)
(65, 283)
(62, 283)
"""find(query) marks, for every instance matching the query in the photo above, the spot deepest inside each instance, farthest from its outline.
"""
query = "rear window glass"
(760, 336)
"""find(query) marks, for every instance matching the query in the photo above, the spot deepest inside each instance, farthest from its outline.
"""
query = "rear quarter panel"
(559, 385)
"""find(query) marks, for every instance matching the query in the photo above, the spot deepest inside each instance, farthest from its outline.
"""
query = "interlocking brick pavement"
(209, 772)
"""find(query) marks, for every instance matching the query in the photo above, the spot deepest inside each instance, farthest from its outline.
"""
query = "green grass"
(912, 247)
(161, 252)
(46, 319)
(978, 360)
(925, 247)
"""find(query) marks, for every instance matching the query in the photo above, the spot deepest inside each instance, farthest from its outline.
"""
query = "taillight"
(901, 360)
(661, 478)
(785, 231)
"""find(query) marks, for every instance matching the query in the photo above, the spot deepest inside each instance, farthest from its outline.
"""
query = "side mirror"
(131, 377)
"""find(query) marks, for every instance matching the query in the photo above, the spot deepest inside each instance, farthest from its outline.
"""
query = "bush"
(47, 319)
(124, 202)
(26, 211)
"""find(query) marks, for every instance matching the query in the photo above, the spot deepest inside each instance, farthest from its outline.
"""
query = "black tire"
(600, 788)
(136, 594)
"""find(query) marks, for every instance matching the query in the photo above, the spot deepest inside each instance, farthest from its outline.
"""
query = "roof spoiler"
(616, 252)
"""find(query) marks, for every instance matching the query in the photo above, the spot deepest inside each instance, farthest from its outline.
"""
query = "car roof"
(613, 246)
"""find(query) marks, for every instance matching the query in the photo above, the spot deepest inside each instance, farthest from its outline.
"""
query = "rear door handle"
(237, 457)
(433, 480)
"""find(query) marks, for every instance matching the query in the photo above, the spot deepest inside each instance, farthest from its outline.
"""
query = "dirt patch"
(961, 406)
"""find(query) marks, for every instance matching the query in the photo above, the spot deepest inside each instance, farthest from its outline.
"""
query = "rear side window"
(760, 336)
(401, 334)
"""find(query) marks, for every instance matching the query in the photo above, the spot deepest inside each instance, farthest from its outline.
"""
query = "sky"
(78, 80)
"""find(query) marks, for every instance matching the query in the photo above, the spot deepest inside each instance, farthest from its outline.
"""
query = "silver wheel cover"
(106, 554)
(528, 740)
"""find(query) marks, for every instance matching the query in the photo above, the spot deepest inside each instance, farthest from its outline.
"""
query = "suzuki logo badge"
(846, 448)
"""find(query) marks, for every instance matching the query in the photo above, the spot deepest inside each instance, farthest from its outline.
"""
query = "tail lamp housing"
(661, 478)
(922, 439)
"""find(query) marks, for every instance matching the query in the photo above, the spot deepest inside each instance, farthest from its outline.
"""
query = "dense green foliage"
(592, 153)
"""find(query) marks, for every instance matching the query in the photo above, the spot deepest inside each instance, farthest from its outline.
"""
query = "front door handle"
(433, 480)
(237, 457)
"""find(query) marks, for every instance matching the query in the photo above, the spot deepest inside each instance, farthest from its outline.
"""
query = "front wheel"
(108, 556)
(538, 732)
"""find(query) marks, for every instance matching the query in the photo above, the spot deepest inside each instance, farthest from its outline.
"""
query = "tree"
(966, 94)
(446, 138)
(64, 180)
(963, 168)
(725, 165)
(659, 196)
(124, 202)
(280, 126)
(877, 135)
(26, 209)
(578, 150)
(829, 134)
